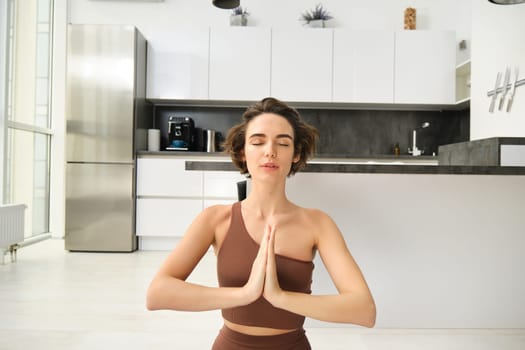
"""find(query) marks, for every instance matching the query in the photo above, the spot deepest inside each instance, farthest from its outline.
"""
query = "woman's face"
(269, 146)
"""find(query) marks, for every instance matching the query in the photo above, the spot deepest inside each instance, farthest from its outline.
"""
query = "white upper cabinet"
(363, 66)
(240, 63)
(425, 67)
(178, 64)
(301, 68)
(303, 65)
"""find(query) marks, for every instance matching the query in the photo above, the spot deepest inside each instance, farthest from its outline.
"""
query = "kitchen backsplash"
(344, 132)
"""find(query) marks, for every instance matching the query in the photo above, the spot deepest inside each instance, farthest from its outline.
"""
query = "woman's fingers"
(255, 285)
(271, 284)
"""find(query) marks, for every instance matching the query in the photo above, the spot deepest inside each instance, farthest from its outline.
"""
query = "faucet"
(416, 151)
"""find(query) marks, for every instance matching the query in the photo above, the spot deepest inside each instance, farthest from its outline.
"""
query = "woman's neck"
(266, 201)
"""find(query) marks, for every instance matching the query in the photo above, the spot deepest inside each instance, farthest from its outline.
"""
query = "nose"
(270, 150)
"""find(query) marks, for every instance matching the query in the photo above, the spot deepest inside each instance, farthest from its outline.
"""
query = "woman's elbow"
(371, 315)
(151, 305)
(152, 298)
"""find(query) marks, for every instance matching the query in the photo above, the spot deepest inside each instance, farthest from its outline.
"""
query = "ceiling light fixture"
(226, 4)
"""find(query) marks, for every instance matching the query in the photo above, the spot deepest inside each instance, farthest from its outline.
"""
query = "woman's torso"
(295, 239)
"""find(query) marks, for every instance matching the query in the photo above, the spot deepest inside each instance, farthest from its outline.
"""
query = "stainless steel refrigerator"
(107, 122)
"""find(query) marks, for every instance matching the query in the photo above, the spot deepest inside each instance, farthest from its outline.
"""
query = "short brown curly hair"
(305, 136)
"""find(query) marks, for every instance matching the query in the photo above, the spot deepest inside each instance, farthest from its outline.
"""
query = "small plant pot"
(316, 23)
(238, 20)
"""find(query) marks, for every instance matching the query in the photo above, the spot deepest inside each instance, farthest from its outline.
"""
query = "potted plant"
(239, 16)
(316, 16)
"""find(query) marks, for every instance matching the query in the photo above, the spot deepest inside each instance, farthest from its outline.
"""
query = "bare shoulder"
(316, 216)
(207, 227)
(215, 215)
(320, 223)
(217, 218)
(217, 212)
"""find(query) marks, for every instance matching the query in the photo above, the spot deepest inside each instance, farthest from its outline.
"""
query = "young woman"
(265, 245)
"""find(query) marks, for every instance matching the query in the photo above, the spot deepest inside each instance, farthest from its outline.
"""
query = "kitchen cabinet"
(166, 216)
(169, 197)
(305, 65)
(425, 67)
(363, 66)
(221, 184)
(301, 65)
(178, 65)
(239, 63)
(163, 177)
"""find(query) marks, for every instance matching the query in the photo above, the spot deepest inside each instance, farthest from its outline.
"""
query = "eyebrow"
(287, 136)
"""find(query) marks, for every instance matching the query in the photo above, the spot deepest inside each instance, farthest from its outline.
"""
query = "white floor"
(53, 299)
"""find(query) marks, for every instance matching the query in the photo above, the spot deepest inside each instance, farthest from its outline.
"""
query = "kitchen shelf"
(463, 104)
(463, 81)
(463, 68)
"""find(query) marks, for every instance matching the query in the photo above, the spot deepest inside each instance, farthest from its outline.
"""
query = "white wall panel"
(438, 251)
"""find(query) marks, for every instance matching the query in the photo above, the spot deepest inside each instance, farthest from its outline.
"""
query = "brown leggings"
(231, 340)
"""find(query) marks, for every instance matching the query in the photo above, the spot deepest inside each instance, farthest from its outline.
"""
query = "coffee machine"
(180, 133)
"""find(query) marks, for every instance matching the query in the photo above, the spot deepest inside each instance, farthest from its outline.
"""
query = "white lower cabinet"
(221, 184)
(169, 197)
(167, 177)
(166, 216)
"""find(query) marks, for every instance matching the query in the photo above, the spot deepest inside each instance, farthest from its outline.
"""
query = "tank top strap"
(236, 214)
(237, 238)
(236, 222)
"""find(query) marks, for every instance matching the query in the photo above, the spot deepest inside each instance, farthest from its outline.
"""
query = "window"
(27, 109)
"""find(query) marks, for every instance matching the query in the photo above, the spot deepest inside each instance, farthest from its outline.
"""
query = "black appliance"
(180, 133)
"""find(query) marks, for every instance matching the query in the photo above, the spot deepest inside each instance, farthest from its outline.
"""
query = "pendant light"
(226, 4)
(507, 2)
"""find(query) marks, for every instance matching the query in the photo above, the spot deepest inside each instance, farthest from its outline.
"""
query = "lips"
(270, 165)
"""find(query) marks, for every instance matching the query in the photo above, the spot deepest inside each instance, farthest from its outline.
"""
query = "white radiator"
(11, 228)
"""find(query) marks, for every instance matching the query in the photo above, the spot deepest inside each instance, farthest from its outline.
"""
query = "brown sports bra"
(234, 263)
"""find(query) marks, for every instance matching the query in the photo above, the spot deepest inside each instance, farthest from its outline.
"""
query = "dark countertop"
(318, 157)
(375, 168)
(483, 152)
(380, 164)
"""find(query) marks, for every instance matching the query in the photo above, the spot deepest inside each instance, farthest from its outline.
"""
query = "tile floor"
(52, 299)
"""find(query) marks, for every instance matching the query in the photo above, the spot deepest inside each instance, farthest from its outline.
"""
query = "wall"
(57, 167)
(497, 42)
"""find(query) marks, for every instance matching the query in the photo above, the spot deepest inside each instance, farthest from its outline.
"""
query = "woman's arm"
(169, 289)
(354, 303)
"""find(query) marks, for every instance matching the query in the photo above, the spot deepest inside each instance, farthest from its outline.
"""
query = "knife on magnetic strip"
(493, 101)
(505, 88)
(510, 94)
